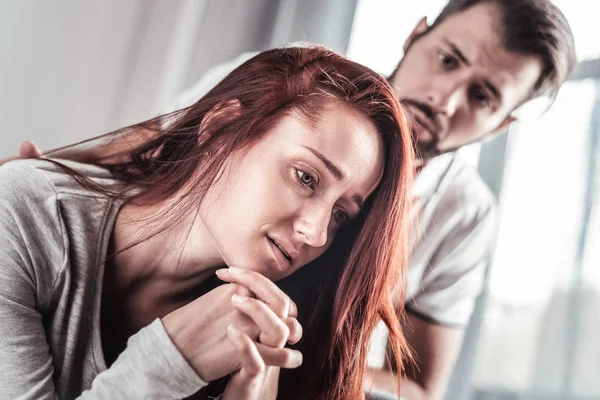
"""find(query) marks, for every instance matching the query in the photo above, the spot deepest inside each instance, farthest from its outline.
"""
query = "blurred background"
(70, 70)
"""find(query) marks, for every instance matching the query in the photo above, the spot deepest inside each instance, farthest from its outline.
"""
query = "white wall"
(71, 69)
(61, 64)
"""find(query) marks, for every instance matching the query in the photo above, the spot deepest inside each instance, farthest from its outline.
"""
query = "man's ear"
(502, 127)
(419, 30)
(220, 114)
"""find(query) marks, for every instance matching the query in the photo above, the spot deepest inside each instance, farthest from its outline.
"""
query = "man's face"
(458, 81)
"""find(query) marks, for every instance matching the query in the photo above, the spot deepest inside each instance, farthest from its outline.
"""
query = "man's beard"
(425, 149)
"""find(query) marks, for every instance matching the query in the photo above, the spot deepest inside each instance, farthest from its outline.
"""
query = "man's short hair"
(532, 27)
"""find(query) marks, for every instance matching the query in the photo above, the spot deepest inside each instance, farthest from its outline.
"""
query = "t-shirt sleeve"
(457, 271)
(33, 249)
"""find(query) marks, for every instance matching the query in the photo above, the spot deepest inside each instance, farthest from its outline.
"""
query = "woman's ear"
(220, 114)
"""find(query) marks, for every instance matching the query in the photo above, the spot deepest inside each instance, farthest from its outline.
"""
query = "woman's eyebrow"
(336, 172)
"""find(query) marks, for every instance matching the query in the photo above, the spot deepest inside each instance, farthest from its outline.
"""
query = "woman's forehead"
(338, 137)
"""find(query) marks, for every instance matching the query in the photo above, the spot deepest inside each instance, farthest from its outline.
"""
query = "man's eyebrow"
(459, 54)
(493, 89)
(456, 51)
(337, 173)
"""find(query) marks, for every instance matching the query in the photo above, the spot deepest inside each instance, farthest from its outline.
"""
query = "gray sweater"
(54, 236)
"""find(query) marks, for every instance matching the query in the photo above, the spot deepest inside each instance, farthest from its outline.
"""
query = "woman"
(299, 160)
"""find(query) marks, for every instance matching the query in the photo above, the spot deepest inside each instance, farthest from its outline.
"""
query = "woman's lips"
(283, 263)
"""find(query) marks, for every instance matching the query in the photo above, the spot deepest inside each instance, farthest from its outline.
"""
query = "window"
(539, 339)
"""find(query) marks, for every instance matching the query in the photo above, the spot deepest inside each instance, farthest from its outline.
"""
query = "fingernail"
(222, 271)
(235, 270)
(296, 358)
(233, 330)
(236, 298)
(298, 328)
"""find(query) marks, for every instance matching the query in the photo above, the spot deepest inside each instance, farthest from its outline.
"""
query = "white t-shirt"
(455, 230)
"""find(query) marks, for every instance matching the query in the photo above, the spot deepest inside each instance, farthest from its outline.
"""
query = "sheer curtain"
(542, 319)
(541, 325)
(536, 335)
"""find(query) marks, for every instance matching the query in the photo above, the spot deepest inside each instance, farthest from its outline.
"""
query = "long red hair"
(343, 294)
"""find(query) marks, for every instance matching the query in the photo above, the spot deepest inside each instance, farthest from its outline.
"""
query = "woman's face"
(279, 203)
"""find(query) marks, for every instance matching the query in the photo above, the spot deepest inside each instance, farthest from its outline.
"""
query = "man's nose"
(446, 97)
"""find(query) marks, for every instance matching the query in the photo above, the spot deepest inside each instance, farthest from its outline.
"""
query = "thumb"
(29, 150)
(245, 384)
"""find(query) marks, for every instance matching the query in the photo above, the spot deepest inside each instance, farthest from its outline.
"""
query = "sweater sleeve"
(151, 367)
(33, 246)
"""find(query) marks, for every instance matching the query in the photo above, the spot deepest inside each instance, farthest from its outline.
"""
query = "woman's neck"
(165, 266)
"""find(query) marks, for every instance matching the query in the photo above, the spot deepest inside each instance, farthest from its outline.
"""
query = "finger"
(240, 388)
(280, 357)
(273, 331)
(293, 309)
(29, 150)
(250, 359)
(262, 287)
(247, 382)
(295, 330)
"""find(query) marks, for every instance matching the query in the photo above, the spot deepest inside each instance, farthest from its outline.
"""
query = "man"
(460, 79)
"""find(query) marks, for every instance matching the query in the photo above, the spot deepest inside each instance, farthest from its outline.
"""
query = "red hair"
(343, 294)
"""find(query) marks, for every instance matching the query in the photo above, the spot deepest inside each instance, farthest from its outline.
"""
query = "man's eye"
(305, 179)
(447, 61)
(480, 97)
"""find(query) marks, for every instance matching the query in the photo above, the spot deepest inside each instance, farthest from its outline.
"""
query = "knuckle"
(286, 358)
(293, 308)
(257, 368)
(283, 331)
(240, 290)
(246, 348)
(250, 273)
(255, 305)
(282, 305)
(294, 327)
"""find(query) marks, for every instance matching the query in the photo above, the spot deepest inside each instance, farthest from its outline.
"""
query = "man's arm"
(439, 313)
(435, 348)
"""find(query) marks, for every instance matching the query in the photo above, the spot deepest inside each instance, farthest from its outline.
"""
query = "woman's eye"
(447, 61)
(340, 216)
(305, 179)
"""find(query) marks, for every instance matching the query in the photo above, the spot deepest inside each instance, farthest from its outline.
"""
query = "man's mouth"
(424, 123)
